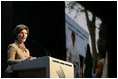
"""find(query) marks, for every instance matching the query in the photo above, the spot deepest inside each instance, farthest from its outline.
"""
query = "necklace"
(22, 46)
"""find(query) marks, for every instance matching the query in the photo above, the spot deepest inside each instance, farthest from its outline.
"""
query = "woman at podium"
(17, 52)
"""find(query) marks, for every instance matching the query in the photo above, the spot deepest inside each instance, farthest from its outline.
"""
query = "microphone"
(41, 47)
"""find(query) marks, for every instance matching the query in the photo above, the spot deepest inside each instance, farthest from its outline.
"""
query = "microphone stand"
(40, 46)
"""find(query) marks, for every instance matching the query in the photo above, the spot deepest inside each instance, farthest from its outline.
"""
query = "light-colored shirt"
(73, 57)
(72, 52)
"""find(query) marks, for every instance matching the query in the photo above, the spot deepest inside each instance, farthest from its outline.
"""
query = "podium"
(44, 67)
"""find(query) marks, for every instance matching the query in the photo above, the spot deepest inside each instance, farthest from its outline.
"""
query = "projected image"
(76, 43)
(78, 39)
(86, 40)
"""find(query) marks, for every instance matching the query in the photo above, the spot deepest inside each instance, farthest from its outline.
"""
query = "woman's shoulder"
(12, 45)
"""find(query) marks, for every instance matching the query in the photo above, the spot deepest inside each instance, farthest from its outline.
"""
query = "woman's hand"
(29, 58)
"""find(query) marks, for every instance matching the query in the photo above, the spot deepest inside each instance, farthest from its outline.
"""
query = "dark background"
(46, 22)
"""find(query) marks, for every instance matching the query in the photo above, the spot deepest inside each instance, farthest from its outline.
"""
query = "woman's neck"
(20, 43)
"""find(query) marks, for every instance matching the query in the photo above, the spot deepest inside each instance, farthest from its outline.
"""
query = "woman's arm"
(12, 55)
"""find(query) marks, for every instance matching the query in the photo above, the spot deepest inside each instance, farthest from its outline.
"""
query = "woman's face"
(22, 36)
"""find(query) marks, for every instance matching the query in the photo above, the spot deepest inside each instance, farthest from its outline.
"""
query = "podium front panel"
(61, 69)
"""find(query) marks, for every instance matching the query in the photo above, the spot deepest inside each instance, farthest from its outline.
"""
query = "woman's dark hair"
(19, 28)
(73, 35)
